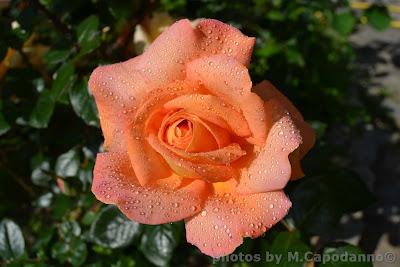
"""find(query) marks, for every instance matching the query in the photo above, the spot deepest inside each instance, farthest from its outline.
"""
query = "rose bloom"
(188, 137)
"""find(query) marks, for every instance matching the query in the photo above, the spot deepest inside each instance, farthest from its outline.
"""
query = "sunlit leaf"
(12, 243)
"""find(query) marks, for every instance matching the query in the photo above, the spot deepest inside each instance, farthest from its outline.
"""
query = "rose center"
(183, 128)
(179, 133)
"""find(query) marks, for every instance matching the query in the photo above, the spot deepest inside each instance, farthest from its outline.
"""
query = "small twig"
(22, 183)
(56, 21)
(289, 227)
(17, 178)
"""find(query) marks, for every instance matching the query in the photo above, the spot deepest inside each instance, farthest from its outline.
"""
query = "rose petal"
(224, 39)
(114, 182)
(225, 155)
(164, 60)
(181, 43)
(117, 89)
(188, 169)
(267, 92)
(225, 219)
(228, 79)
(213, 109)
(271, 170)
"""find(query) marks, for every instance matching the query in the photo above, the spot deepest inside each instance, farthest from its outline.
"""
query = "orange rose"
(186, 137)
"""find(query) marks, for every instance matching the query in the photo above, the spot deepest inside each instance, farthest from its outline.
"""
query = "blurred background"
(338, 61)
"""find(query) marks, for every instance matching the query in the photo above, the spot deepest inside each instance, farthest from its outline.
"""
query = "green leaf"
(344, 255)
(344, 22)
(294, 56)
(54, 57)
(44, 201)
(89, 218)
(85, 176)
(67, 164)
(62, 205)
(83, 103)
(44, 238)
(270, 48)
(113, 230)
(42, 111)
(40, 169)
(4, 126)
(69, 229)
(75, 252)
(12, 243)
(64, 79)
(292, 249)
(88, 35)
(378, 17)
(319, 202)
(158, 242)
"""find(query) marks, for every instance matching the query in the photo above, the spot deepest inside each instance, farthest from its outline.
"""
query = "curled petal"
(267, 92)
(228, 79)
(271, 170)
(114, 182)
(225, 219)
(185, 168)
(225, 155)
(213, 109)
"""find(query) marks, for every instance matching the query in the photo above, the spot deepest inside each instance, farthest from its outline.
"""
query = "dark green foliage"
(50, 135)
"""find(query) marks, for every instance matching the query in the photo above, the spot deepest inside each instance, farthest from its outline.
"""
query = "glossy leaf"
(344, 22)
(74, 252)
(54, 57)
(83, 103)
(4, 126)
(319, 202)
(159, 242)
(378, 17)
(12, 243)
(344, 255)
(292, 249)
(88, 35)
(67, 164)
(64, 79)
(43, 110)
(113, 230)
(40, 171)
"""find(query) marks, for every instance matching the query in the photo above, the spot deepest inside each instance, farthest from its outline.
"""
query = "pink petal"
(114, 182)
(225, 219)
